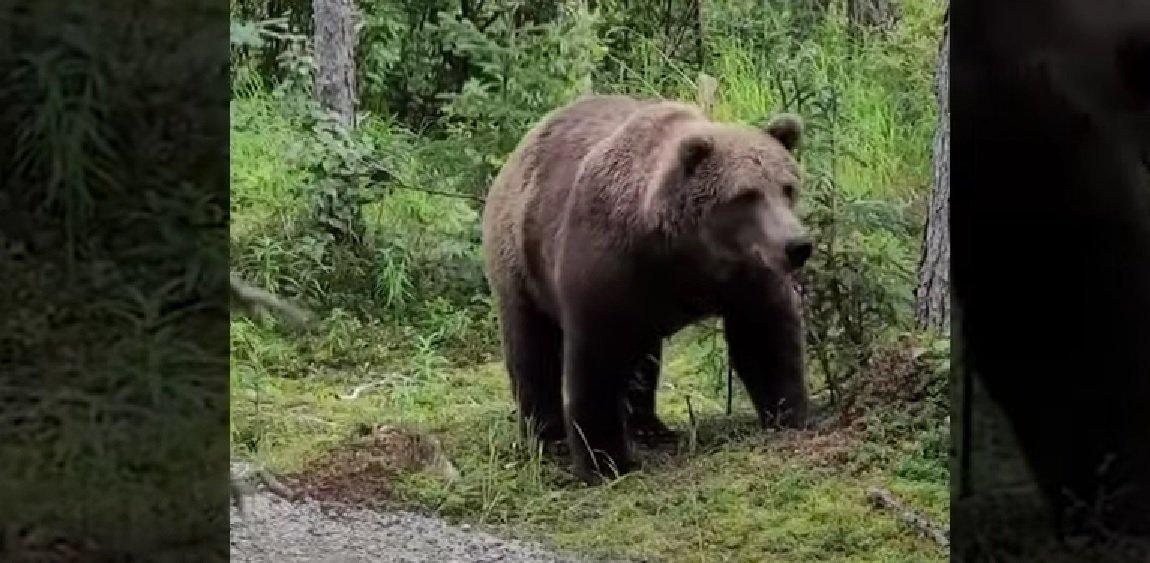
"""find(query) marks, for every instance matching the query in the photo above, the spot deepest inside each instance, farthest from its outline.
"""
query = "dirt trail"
(272, 529)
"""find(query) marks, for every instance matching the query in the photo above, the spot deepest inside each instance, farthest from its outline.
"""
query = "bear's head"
(732, 191)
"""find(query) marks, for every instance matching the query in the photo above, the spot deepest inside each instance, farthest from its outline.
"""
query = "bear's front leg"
(764, 335)
(595, 377)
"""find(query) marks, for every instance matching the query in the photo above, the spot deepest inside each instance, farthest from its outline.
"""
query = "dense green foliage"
(447, 88)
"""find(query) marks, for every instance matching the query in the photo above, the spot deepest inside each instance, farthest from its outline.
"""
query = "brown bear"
(614, 224)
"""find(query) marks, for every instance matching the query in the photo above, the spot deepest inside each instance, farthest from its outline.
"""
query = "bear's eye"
(789, 191)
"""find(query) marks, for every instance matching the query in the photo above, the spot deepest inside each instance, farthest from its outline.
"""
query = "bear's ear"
(693, 150)
(787, 128)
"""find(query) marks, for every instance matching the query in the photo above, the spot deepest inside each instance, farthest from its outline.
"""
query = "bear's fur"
(615, 223)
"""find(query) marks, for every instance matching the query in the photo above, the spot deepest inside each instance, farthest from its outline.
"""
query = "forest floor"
(443, 443)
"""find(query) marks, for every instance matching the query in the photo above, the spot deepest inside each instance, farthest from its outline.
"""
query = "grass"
(737, 494)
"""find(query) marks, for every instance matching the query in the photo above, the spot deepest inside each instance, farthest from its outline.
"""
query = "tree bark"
(335, 44)
(932, 296)
(880, 14)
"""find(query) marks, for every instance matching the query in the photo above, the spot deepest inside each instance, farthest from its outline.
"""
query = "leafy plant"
(521, 71)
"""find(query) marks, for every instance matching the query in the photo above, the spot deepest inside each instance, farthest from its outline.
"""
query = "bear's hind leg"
(533, 352)
(642, 421)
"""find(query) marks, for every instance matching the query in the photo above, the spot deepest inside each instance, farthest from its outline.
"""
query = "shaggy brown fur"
(616, 223)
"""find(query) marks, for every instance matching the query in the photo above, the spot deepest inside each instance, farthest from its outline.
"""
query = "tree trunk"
(880, 14)
(932, 297)
(336, 36)
(335, 43)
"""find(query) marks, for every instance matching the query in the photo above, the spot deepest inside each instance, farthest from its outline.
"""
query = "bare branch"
(882, 498)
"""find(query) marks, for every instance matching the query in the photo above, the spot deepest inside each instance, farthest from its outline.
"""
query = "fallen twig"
(882, 498)
(259, 301)
(274, 485)
(249, 480)
(355, 392)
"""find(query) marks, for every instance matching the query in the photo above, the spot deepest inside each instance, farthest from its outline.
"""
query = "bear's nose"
(798, 251)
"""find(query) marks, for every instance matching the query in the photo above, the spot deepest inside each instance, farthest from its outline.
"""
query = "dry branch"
(882, 498)
(258, 301)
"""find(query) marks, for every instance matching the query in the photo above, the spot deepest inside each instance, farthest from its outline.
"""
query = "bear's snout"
(798, 250)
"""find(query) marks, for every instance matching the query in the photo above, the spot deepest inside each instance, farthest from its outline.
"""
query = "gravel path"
(272, 529)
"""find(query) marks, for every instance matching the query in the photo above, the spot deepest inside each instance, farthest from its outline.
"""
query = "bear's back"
(529, 194)
(527, 202)
(555, 150)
